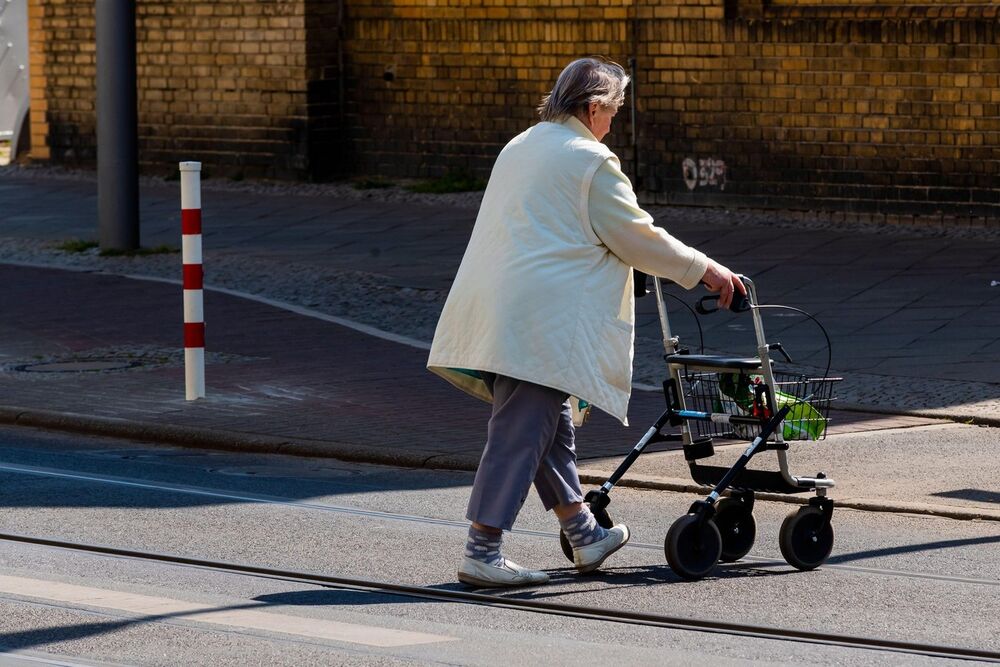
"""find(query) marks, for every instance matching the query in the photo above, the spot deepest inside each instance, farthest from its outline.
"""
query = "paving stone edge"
(216, 439)
(957, 417)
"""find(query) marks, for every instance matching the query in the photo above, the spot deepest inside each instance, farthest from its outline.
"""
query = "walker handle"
(740, 304)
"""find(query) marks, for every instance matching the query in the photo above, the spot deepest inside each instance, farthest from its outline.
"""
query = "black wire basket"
(744, 394)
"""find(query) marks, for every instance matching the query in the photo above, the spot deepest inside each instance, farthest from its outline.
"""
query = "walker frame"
(717, 528)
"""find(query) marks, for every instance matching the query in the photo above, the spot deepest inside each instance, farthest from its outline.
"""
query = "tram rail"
(250, 497)
(534, 606)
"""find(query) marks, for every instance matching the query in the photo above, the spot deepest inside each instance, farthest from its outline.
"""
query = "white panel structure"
(14, 94)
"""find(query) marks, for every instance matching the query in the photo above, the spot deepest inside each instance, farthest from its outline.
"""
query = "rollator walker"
(742, 398)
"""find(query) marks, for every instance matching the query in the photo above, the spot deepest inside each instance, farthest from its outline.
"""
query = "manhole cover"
(85, 366)
(132, 454)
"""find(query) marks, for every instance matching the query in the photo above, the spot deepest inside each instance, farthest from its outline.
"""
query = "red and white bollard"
(194, 303)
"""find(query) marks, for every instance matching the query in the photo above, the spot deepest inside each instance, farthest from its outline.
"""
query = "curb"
(958, 418)
(235, 441)
(970, 420)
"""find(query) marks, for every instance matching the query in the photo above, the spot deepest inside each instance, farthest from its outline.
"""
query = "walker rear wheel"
(738, 528)
(806, 538)
(693, 546)
(603, 520)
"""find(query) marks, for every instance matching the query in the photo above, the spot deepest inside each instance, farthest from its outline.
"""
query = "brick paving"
(285, 375)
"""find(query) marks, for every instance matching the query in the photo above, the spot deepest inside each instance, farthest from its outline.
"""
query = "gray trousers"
(530, 439)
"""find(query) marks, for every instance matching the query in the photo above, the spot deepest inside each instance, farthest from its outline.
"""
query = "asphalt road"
(909, 578)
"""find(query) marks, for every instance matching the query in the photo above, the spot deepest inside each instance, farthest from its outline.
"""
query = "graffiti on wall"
(704, 172)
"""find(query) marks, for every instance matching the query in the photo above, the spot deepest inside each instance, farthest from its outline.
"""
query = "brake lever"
(779, 348)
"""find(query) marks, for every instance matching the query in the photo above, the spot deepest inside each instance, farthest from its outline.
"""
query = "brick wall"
(884, 107)
(38, 83)
(439, 88)
(224, 82)
(61, 53)
(328, 149)
(869, 106)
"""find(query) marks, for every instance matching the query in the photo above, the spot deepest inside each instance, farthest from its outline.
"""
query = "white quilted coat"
(539, 296)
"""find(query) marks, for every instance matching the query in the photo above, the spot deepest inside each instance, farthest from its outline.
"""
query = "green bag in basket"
(803, 422)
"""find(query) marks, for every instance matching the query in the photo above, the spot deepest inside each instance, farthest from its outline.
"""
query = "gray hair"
(584, 81)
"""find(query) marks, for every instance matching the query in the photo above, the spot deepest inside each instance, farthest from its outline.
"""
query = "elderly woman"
(539, 320)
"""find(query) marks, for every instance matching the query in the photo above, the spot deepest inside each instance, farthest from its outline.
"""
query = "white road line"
(211, 493)
(153, 608)
(292, 308)
(18, 658)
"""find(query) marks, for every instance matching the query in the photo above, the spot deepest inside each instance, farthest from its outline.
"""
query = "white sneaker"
(505, 573)
(588, 558)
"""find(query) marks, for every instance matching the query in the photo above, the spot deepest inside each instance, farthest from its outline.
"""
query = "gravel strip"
(368, 298)
(397, 193)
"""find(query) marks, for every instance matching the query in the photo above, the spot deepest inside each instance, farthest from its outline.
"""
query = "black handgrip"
(639, 283)
(739, 304)
(702, 309)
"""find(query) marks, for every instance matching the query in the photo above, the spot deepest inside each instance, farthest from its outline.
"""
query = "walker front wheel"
(806, 538)
(693, 546)
(738, 528)
(603, 520)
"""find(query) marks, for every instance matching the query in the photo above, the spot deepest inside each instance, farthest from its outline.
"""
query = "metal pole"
(117, 126)
(635, 135)
(633, 66)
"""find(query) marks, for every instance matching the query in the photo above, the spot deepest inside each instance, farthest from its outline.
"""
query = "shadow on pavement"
(912, 548)
(41, 469)
(43, 636)
(975, 495)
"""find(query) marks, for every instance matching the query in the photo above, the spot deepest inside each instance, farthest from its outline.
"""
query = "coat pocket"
(615, 353)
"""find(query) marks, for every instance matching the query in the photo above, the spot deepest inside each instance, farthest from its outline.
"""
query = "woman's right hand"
(719, 279)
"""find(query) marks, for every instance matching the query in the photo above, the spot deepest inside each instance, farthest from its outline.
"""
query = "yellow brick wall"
(38, 83)
(459, 86)
(866, 106)
(875, 107)
(870, 107)
(224, 82)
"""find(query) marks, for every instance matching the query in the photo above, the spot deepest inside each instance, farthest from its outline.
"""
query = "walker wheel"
(805, 538)
(693, 546)
(738, 528)
(603, 520)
